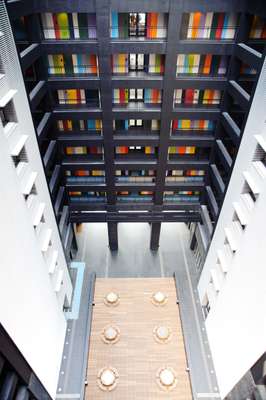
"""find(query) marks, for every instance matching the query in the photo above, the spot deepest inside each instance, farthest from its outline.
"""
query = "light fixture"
(107, 378)
(159, 298)
(166, 378)
(110, 334)
(111, 299)
(162, 334)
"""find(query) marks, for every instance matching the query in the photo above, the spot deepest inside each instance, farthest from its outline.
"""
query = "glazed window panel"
(120, 96)
(156, 25)
(78, 97)
(156, 64)
(86, 64)
(136, 124)
(192, 125)
(119, 23)
(77, 64)
(85, 176)
(181, 150)
(190, 97)
(143, 196)
(96, 150)
(181, 196)
(150, 25)
(185, 176)
(68, 26)
(217, 26)
(201, 64)
(80, 125)
(135, 150)
(152, 96)
(71, 96)
(84, 25)
(89, 197)
(55, 26)
(119, 63)
(138, 176)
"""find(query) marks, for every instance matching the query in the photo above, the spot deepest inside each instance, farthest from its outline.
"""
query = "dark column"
(105, 74)
(174, 24)
(112, 235)
(155, 235)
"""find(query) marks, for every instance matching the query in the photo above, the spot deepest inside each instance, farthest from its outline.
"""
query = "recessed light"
(162, 334)
(159, 298)
(107, 378)
(166, 378)
(110, 334)
(111, 299)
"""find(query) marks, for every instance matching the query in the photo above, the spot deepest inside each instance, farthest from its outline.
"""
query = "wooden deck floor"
(137, 356)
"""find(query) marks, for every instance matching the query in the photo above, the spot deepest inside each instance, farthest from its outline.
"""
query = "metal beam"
(182, 216)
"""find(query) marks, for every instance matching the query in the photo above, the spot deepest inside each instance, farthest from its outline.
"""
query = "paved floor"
(137, 356)
(133, 258)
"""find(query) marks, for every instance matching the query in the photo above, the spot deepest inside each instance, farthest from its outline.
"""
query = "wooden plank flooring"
(137, 356)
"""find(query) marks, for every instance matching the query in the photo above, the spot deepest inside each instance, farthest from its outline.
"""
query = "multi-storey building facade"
(139, 109)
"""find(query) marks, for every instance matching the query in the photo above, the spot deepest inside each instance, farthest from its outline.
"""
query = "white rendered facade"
(34, 278)
(234, 274)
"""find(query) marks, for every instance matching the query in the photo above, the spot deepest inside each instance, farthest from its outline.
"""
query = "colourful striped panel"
(195, 25)
(225, 26)
(63, 25)
(180, 65)
(75, 23)
(189, 96)
(161, 26)
(232, 25)
(92, 26)
(214, 26)
(123, 25)
(190, 26)
(222, 65)
(48, 26)
(219, 28)
(207, 64)
(152, 25)
(114, 24)
(178, 96)
(201, 26)
(208, 24)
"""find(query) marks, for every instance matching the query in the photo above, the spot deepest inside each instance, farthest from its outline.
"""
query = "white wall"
(30, 309)
(236, 324)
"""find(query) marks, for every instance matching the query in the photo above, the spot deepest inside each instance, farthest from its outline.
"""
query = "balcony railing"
(134, 199)
(171, 179)
(87, 199)
(194, 103)
(148, 69)
(138, 32)
(135, 179)
(135, 104)
(69, 32)
(76, 70)
(85, 179)
(198, 70)
(181, 198)
(210, 33)
(78, 103)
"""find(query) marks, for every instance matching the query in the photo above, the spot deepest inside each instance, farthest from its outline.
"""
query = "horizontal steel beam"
(135, 217)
